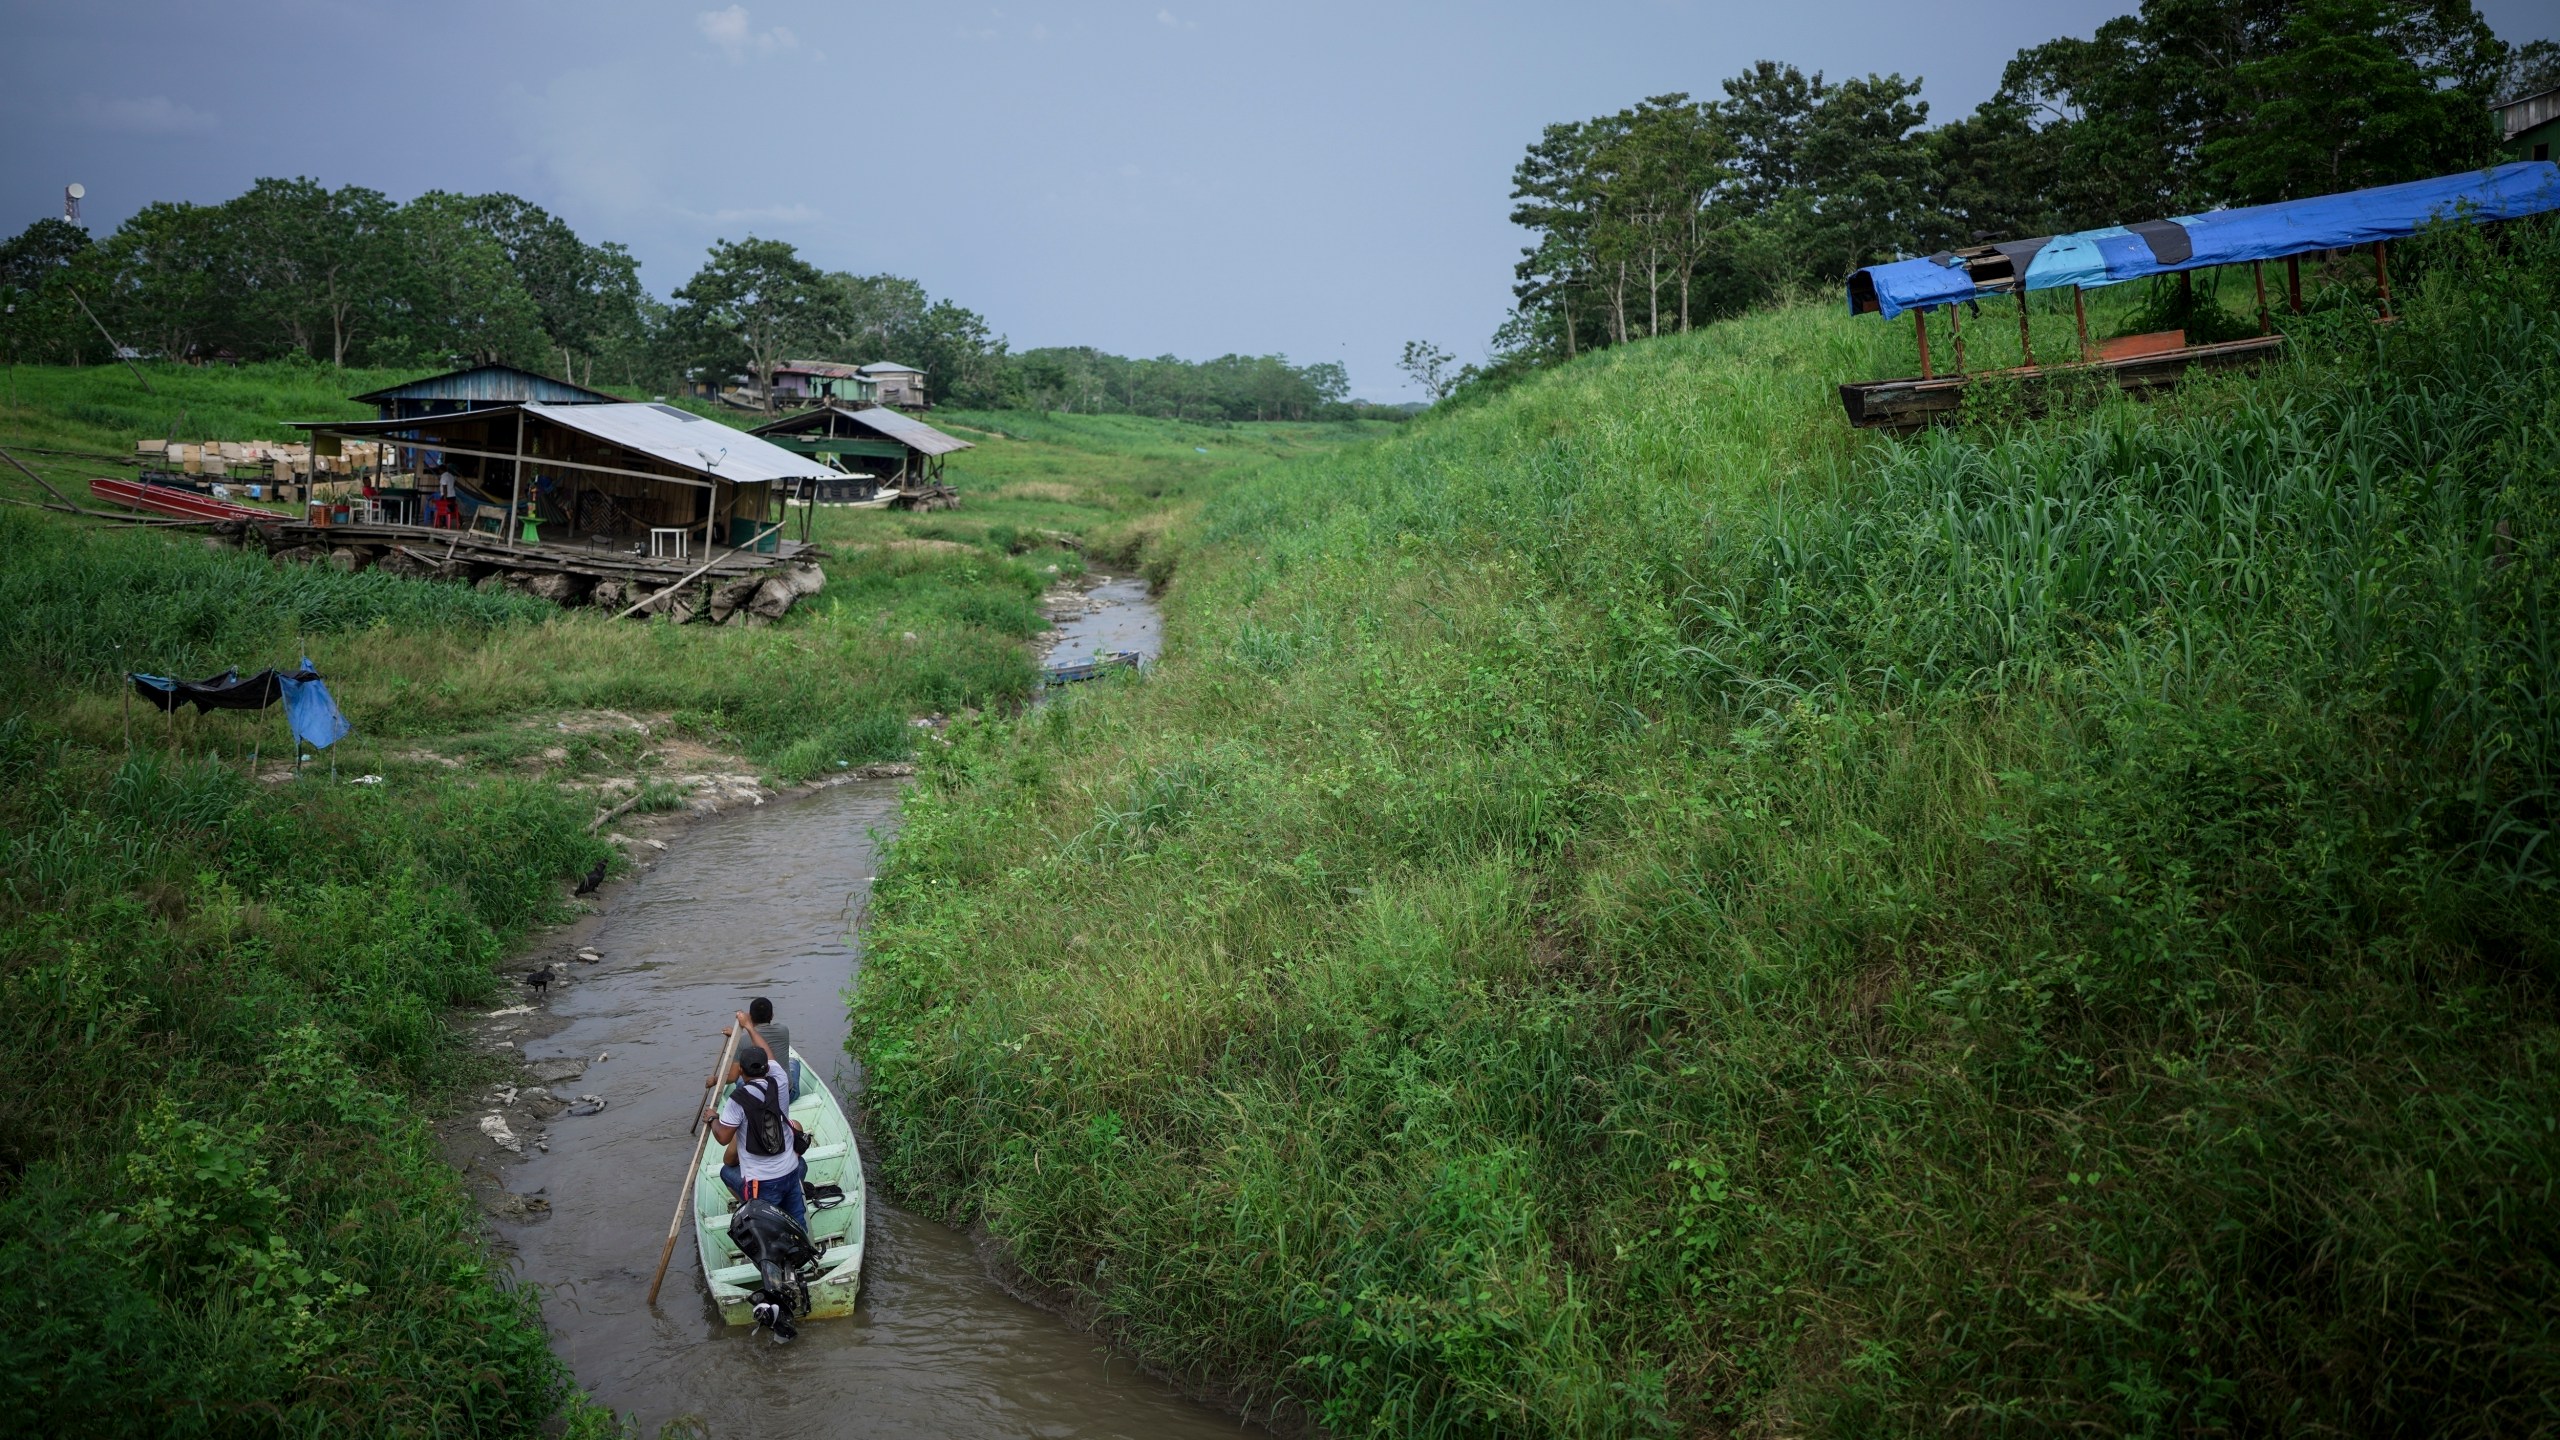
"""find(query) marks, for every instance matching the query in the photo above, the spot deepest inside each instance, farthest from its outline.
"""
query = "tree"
(1428, 366)
(1867, 179)
(756, 301)
(455, 297)
(2359, 92)
(584, 295)
(310, 263)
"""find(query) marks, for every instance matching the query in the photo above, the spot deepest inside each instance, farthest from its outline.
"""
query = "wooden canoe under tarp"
(835, 1230)
(1909, 404)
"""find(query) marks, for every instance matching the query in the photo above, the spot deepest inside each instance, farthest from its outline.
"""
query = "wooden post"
(1920, 327)
(2026, 347)
(515, 496)
(2293, 282)
(1955, 328)
(2258, 277)
(2382, 273)
(2080, 313)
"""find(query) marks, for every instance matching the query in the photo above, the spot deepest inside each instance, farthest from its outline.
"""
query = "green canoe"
(836, 1230)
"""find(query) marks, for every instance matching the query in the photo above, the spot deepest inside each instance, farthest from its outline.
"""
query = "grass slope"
(1631, 910)
(219, 1200)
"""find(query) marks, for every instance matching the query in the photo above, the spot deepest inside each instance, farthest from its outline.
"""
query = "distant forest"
(292, 269)
(1677, 211)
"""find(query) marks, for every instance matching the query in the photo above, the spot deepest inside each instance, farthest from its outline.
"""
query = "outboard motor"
(784, 1259)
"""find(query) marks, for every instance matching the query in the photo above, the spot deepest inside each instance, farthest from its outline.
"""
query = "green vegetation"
(219, 1198)
(1676, 209)
(1633, 909)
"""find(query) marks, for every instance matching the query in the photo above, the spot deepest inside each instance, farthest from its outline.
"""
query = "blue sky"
(1320, 179)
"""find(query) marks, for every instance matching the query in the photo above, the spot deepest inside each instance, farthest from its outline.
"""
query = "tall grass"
(1632, 910)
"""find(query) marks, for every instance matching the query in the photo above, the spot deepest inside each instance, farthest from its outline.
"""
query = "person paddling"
(755, 1124)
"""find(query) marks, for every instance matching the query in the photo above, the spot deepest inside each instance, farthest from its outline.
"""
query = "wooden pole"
(2258, 277)
(2293, 282)
(2080, 312)
(2026, 347)
(706, 565)
(692, 1167)
(515, 496)
(113, 348)
(1955, 328)
(2382, 273)
(1920, 327)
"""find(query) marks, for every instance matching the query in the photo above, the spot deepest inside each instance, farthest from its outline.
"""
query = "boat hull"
(833, 1160)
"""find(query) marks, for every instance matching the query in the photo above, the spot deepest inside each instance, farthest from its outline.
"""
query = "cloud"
(1170, 21)
(145, 115)
(731, 30)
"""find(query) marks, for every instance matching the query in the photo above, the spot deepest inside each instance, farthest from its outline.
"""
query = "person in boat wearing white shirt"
(761, 1090)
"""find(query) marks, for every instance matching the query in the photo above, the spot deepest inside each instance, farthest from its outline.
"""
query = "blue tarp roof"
(2090, 258)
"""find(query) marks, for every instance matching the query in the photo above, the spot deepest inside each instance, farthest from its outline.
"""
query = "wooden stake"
(692, 1167)
(1955, 328)
(2293, 282)
(2258, 277)
(2382, 273)
(2080, 312)
(1920, 327)
(2026, 347)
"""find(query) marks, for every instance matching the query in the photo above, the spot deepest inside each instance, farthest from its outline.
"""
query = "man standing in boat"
(755, 1123)
(776, 1039)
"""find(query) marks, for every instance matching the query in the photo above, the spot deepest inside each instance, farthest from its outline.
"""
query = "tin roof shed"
(478, 385)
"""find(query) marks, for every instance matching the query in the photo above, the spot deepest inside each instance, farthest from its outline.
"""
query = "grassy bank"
(219, 1200)
(1631, 910)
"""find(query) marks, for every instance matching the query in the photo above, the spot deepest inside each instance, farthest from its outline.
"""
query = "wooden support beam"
(2026, 346)
(2293, 282)
(2258, 277)
(2382, 273)
(515, 494)
(2080, 312)
(1955, 328)
(1920, 327)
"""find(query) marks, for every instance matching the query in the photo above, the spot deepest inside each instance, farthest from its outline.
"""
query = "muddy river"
(765, 901)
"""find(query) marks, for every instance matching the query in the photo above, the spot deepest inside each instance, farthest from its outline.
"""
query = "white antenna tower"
(71, 194)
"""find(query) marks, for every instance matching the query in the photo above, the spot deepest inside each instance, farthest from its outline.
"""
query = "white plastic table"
(677, 541)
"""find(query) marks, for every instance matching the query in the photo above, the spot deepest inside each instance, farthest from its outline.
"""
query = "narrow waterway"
(764, 902)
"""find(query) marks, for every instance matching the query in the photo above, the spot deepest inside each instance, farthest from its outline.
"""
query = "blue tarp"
(2109, 256)
(311, 710)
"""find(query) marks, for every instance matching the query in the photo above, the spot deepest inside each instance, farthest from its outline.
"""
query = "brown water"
(763, 902)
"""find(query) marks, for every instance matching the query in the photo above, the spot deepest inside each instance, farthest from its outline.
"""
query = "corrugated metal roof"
(2526, 111)
(889, 367)
(879, 420)
(818, 367)
(666, 433)
(489, 385)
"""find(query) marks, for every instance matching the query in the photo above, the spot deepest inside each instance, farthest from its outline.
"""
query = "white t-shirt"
(752, 1166)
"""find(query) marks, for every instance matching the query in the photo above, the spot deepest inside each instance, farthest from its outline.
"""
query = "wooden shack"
(902, 455)
(635, 496)
(894, 384)
(477, 387)
(806, 382)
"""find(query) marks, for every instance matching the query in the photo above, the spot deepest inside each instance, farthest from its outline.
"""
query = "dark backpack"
(764, 1132)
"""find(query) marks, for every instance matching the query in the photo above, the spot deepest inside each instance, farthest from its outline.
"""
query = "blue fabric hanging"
(311, 711)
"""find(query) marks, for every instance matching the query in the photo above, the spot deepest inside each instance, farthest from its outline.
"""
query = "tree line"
(292, 269)
(1678, 210)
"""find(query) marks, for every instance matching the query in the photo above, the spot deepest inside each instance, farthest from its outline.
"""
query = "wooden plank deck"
(478, 548)
(1910, 404)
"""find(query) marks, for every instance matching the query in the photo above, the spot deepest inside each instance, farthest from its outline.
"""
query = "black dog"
(539, 980)
(594, 878)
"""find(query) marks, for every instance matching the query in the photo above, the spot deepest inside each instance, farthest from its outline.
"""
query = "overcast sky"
(1317, 178)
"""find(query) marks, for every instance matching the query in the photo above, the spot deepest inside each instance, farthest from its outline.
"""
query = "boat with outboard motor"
(834, 1187)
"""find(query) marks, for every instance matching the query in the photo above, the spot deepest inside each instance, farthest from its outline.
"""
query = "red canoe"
(169, 500)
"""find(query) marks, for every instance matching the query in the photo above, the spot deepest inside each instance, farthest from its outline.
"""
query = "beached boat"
(836, 1229)
(1102, 663)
